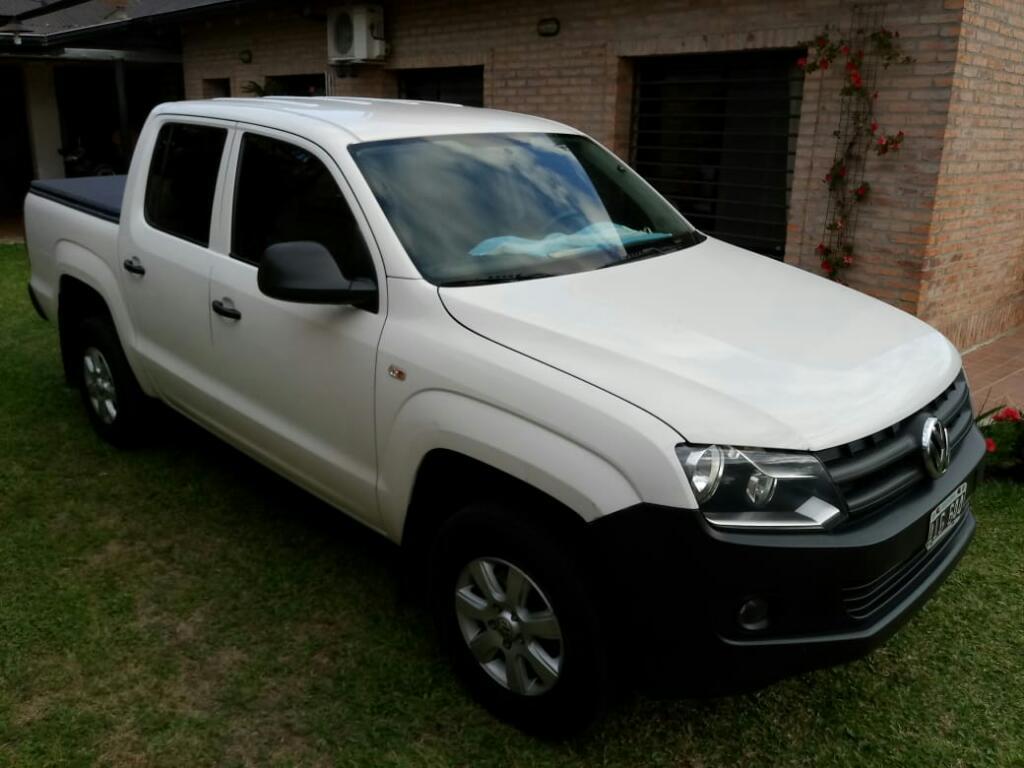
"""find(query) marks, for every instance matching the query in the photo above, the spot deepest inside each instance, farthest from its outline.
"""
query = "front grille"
(874, 470)
(865, 600)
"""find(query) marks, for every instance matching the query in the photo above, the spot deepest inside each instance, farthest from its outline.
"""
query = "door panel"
(296, 385)
(295, 382)
(165, 260)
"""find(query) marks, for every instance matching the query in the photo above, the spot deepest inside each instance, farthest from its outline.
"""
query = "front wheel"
(516, 614)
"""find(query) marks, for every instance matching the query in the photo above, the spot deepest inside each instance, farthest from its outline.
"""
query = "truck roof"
(366, 119)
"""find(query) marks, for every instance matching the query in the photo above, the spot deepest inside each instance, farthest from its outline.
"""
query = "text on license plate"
(945, 516)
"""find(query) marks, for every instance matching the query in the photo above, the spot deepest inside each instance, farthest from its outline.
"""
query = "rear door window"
(183, 180)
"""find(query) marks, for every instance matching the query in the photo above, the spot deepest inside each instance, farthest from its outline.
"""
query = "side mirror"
(305, 272)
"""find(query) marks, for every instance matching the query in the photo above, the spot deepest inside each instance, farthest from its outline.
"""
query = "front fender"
(437, 419)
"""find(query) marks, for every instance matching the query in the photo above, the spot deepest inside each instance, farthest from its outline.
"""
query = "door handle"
(134, 266)
(224, 310)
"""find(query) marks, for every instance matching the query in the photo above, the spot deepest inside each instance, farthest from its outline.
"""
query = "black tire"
(124, 427)
(551, 562)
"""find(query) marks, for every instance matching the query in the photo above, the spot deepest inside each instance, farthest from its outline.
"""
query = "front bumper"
(674, 586)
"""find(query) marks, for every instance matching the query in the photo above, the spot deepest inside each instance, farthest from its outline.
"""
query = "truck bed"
(96, 195)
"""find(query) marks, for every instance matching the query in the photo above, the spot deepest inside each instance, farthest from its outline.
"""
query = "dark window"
(284, 193)
(15, 153)
(216, 88)
(456, 85)
(183, 179)
(295, 85)
(716, 134)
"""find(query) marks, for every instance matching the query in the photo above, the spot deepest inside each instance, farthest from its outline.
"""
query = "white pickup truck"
(615, 449)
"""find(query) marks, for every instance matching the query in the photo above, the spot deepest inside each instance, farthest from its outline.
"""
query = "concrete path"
(996, 371)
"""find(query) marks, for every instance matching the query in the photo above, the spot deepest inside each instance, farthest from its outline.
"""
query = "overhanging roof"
(93, 20)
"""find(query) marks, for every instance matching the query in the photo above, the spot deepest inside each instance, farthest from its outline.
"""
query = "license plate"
(945, 516)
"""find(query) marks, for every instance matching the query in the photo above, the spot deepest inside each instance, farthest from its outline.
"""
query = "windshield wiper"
(654, 247)
(657, 247)
(505, 277)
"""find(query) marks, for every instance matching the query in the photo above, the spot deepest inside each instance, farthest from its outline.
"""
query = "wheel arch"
(446, 444)
(77, 300)
(86, 285)
(434, 499)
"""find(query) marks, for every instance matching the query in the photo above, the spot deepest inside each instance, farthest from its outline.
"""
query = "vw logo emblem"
(935, 447)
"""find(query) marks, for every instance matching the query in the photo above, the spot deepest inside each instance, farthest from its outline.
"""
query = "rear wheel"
(515, 612)
(112, 397)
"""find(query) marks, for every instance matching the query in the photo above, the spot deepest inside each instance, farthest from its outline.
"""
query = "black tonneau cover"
(97, 195)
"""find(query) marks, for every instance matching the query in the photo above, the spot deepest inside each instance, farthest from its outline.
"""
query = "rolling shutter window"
(716, 134)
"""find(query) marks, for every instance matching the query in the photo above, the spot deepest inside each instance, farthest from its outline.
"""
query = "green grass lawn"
(181, 606)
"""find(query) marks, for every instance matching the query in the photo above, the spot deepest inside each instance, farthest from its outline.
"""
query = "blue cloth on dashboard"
(603, 235)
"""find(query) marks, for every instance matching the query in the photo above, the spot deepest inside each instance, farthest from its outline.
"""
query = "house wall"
(973, 278)
(912, 249)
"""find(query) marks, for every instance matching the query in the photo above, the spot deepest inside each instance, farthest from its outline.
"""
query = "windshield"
(499, 207)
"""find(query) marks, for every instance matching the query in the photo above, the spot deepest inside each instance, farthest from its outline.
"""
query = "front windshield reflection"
(494, 207)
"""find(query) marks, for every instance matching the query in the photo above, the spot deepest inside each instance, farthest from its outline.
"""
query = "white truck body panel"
(580, 385)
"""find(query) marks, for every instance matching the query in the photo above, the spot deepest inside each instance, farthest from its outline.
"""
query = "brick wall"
(917, 244)
(280, 43)
(973, 274)
(894, 222)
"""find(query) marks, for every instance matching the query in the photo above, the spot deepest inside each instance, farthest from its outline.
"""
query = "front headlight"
(751, 488)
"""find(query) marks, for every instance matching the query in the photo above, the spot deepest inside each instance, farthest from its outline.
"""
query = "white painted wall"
(43, 120)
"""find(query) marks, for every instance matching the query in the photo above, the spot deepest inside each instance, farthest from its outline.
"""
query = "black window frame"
(251, 130)
(170, 124)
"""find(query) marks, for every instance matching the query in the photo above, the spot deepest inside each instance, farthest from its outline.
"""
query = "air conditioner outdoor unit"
(356, 33)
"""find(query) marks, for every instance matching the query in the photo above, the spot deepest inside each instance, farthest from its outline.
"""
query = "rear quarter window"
(182, 180)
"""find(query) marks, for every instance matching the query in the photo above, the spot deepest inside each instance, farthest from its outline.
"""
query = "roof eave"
(78, 34)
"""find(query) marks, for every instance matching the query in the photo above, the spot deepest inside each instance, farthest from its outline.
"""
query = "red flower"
(855, 79)
(828, 178)
(820, 250)
(846, 50)
(990, 445)
(874, 126)
(842, 171)
(801, 62)
(847, 259)
(1007, 414)
(827, 266)
(882, 141)
(861, 190)
(821, 41)
(824, 63)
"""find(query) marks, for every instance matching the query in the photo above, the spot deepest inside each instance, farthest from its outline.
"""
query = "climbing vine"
(858, 133)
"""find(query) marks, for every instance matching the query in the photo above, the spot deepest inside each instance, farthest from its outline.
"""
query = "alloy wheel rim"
(509, 626)
(99, 385)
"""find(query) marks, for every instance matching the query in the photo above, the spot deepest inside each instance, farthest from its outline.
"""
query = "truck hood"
(724, 345)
